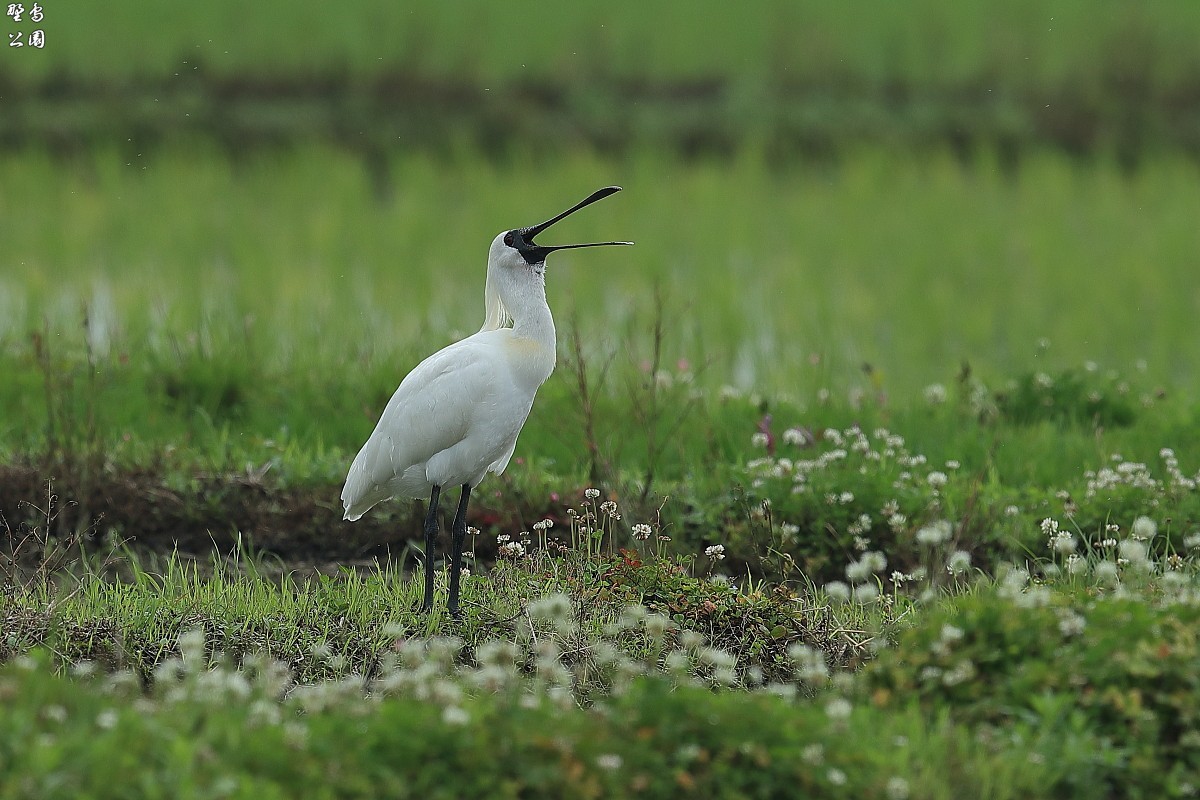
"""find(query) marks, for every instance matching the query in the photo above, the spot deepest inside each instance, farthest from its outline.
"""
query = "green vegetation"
(871, 471)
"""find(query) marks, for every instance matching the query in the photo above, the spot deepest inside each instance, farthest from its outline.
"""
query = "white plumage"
(457, 415)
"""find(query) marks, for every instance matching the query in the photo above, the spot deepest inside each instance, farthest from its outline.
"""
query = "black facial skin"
(523, 243)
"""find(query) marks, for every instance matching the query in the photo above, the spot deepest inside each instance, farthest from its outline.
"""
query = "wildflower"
(1063, 542)
(715, 552)
(797, 436)
(951, 633)
(1071, 624)
(837, 591)
(935, 533)
(866, 593)
(107, 719)
(1143, 528)
(1011, 511)
(759, 439)
(453, 715)
(544, 525)
(1106, 573)
(1133, 550)
(1192, 540)
(935, 394)
(810, 664)
(1049, 526)
(641, 531)
(897, 788)
(962, 672)
(609, 761)
(959, 562)
(591, 494)
(813, 753)
(838, 708)
(836, 777)
(512, 550)
(953, 464)
(937, 479)
(896, 522)
(846, 498)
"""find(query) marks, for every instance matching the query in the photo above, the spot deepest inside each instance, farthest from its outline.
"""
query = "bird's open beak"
(536, 253)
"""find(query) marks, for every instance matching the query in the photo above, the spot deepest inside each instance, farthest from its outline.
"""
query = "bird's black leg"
(431, 532)
(459, 532)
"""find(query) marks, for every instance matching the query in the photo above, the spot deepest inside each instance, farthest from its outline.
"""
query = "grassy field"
(891, 417)
(927, 41)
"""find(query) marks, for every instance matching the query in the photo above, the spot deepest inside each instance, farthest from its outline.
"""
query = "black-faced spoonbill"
(457, 415)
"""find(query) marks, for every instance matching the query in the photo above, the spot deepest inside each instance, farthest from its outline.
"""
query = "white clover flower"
(897, 788)
(512, 550)
(591, 494)
(641, 531)
(1063, 542)
(809, 663)
(937, 479)
(759, 440)
(935, 394)
(453, 715)
(813, 754)
(846, 498)
(962, 672)
(609, 761)
(959, 562)
(1011, 511)
(858, 570)
(1107, 573)
(836, 777)
(1049, 526)
(715, 552)
(107, 719)
(837, 591)
(1143, 528)
(838, 708)
(1134, 551)
(1071, 624)
(866, 593)
(935, 533)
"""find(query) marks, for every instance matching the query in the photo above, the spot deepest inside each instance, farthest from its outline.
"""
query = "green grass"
(260, 313)
(1077, 684)
(912, 267)
(930, 41)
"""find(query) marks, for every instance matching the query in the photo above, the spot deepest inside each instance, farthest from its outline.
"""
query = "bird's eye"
(508, 238)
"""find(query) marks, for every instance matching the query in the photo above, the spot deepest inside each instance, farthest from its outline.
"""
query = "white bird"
(457, 415)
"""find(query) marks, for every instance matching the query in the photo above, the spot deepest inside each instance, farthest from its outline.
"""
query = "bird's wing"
(429, 413)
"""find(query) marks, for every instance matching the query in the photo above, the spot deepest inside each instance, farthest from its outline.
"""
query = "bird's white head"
(517, 264)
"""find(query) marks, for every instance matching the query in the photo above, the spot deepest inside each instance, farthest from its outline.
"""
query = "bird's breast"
(531, 360)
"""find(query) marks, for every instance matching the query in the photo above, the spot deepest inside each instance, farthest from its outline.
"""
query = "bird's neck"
(532, 319)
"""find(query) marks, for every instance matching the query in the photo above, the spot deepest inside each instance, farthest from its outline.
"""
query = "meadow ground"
(898, 454)
(870, 471)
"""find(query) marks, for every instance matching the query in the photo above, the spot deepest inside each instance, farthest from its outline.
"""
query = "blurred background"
(220, 197)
